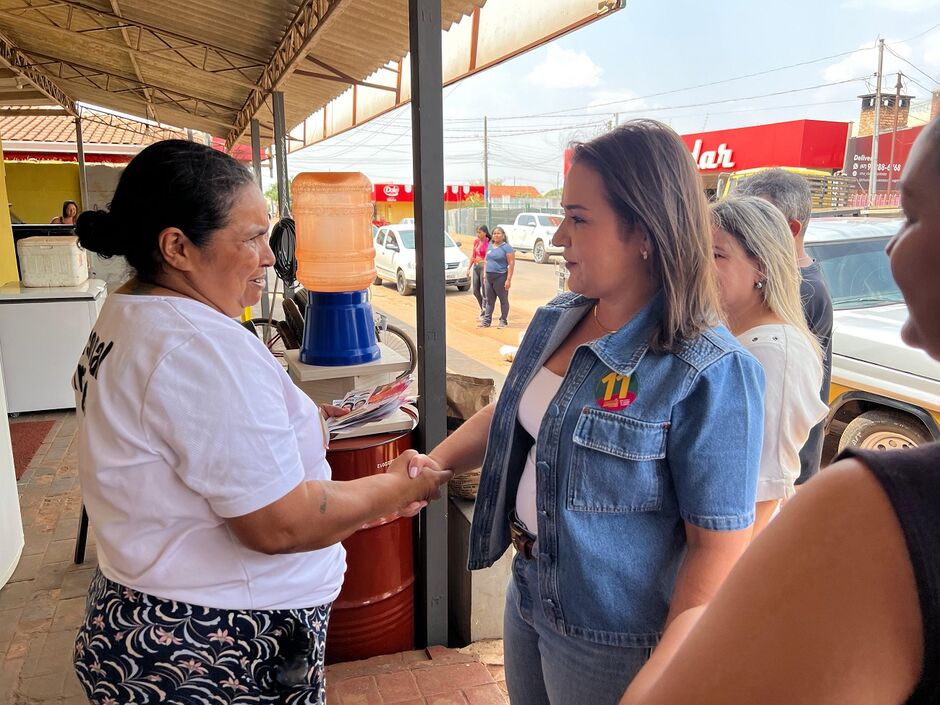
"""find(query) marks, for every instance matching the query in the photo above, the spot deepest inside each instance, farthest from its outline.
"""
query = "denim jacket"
(634, 444)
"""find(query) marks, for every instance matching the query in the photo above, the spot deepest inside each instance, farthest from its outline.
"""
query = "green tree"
(271, 195)
(554, 193)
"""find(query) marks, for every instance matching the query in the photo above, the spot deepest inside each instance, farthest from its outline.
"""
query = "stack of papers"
(373, 404)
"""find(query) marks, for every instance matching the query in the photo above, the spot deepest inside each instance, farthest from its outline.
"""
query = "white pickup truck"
(532, 232)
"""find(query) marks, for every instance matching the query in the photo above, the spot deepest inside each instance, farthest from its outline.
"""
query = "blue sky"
(627, 62)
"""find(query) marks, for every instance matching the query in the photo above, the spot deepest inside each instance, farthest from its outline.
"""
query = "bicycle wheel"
(399, 341)
(270, 334)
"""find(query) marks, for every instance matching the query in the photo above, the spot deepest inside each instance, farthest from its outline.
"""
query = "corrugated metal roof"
(197, 64)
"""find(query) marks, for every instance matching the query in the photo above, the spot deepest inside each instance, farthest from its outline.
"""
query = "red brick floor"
(42, 606)
(437, 676)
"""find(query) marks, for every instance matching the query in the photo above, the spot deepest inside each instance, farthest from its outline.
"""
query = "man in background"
(790, 193)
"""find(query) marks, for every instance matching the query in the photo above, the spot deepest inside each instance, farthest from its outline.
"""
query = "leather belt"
(522, 540)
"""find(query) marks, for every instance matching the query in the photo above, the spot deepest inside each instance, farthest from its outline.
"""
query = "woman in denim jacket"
(624, 447)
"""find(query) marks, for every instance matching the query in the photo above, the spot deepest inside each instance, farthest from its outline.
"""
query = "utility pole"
(894, 133)
(873, 175)
(486, 175)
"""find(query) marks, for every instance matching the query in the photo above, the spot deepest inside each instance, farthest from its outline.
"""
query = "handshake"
(421, 480)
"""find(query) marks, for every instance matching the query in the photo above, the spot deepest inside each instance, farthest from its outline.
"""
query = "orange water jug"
(333, 217)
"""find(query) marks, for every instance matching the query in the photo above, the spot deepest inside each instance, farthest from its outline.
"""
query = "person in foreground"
(202, 466)
(760, 291)
(865, 627)
(607, 461)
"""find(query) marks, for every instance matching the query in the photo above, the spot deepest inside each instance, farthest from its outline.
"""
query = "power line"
(680, 90)
(917, 83)
(916, 68)
(926, 31)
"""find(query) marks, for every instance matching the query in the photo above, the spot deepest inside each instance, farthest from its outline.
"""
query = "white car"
(533, 232)
(395, 260)
(887, 393)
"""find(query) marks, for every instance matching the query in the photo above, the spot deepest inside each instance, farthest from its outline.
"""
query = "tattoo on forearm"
(323, 501)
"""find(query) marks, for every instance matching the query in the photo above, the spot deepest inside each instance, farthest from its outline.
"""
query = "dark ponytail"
(170, 184)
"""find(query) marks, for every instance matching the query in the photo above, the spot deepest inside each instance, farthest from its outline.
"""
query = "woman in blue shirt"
(500, 263)
(621, 458)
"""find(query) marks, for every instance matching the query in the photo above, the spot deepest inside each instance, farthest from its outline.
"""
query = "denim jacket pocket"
(616, 463)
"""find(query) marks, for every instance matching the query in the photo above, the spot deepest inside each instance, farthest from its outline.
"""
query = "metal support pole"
(82, 177)
(486, 175)
(280, 146)
(256, 167)
(894, 132)
(427, 127)
(873, 175)
(256, 150)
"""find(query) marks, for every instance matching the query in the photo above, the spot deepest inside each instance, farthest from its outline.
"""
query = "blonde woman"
(760, 290)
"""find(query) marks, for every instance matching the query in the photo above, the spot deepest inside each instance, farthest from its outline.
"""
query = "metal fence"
(465, 221)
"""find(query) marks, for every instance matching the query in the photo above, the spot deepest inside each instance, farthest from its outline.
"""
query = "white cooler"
(51, 260)
(42, 334)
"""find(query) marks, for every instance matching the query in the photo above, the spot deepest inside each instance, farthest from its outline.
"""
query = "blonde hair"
(653, 185)
(763, 232)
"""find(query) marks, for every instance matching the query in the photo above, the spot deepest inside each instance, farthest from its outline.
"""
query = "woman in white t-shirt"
(203, 468)
(760, 289)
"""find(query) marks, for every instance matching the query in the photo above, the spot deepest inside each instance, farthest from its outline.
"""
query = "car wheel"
(463, 287)
(883, 430)
(538, 252)
(401, 284)
(377, 281)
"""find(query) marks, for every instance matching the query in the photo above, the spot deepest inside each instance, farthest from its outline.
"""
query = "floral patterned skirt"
(136, 648)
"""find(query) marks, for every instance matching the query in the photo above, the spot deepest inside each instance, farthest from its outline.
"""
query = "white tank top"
(532, 407)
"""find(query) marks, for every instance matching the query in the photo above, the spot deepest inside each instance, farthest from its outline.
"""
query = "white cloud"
(566, 68)
(864, 62)
(899, 5)
(931, 61)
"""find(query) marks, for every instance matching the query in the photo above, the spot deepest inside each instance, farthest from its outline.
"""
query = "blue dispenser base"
(339, 329)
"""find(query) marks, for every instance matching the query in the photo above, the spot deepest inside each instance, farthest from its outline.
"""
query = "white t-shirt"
(186, 418)
(537, 396)
(792, 406)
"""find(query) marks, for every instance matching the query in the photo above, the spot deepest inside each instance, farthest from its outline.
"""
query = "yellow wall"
(8, 271)
(394, 212)
(37, 189)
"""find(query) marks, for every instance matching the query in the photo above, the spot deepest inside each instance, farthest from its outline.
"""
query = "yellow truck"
(832, 194)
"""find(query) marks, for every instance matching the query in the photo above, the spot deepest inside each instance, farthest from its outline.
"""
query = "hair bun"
(97, 232)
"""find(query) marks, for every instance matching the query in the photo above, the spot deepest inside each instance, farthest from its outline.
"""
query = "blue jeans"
(544, 667)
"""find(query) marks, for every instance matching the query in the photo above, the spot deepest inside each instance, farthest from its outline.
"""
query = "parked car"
(407, 221)
(887, 393)
(395, 259)
(533, 232)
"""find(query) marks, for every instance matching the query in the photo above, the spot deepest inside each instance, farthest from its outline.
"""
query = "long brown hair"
(653, 185)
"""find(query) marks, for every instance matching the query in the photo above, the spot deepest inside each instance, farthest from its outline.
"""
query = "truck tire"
(538, 253)
(883, 429)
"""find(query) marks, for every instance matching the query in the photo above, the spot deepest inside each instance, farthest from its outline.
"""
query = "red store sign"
(402, 193)
(811, 144)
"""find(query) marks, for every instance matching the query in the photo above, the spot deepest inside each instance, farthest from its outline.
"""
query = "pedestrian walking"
(500, 263)
(477, 267)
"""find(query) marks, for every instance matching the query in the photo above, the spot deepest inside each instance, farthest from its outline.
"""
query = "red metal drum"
(374, 613)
